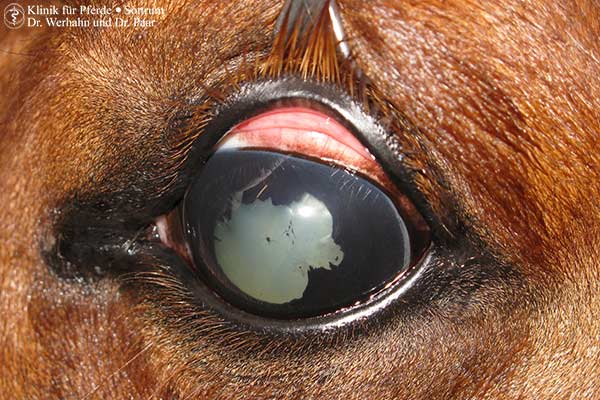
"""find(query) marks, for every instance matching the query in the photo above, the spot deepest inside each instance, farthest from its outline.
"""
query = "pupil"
(283, 236)
(281, 242)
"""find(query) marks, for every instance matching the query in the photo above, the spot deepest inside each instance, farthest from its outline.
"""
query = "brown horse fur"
(505, 98)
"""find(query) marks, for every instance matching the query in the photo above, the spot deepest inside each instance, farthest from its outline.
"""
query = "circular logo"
(14, 16)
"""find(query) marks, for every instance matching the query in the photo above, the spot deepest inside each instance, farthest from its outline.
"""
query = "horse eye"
(291, 217)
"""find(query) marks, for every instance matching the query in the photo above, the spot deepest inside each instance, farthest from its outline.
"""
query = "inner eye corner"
(269, 223)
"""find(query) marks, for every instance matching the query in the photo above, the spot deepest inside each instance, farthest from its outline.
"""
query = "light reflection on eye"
(278, 230)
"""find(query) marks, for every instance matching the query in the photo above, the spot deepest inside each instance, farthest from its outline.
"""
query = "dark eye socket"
(294, 219)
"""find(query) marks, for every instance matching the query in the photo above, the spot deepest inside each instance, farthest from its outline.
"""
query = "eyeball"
(281, 233)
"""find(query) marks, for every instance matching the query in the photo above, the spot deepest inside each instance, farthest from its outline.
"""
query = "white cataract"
(267, 250)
